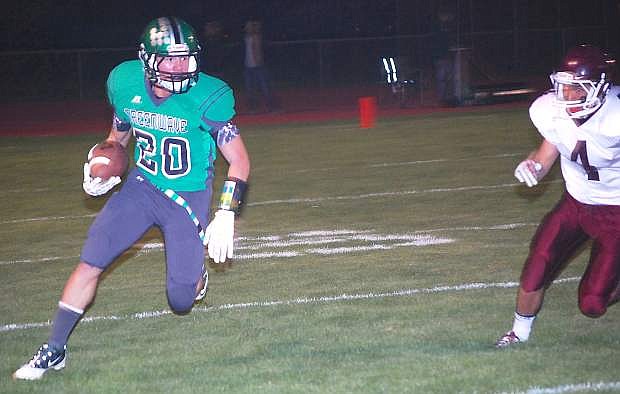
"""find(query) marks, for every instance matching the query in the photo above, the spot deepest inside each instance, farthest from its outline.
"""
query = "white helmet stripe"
(176, 31)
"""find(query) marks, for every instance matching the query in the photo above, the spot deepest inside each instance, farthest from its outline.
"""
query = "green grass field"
(378, 260)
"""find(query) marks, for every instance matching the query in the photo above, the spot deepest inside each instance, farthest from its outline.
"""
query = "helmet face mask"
(582, 81)
(164, 39)
(580, 97)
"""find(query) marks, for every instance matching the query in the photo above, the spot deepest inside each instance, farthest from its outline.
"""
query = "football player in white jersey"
(579, 122)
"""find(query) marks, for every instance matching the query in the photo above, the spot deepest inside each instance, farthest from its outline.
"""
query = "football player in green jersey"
(179, 116)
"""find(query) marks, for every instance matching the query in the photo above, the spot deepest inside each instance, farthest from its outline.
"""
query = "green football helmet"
(169, 37)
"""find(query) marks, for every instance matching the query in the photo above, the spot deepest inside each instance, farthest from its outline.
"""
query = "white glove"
(527, 171)
(96, 186)
(219, 235)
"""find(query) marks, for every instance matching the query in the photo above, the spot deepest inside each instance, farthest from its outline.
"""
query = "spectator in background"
(255, 72)
(215, 49)
(443, 62)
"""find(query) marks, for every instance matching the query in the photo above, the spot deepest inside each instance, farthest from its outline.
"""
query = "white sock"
(522, 326)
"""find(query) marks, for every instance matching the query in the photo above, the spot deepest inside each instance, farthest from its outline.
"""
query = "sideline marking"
(48, 218)
(255, 247)
(40, 260)
(571, 388)
(430, 161)
(414, 162)
(295, 301)
(390, 194)
(316, 199)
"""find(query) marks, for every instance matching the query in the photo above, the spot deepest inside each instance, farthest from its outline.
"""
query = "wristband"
(233, 194)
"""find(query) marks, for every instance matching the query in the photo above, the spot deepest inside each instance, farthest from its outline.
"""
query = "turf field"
(367, 261)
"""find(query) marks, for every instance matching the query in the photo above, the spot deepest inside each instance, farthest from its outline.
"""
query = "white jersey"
(590, 153)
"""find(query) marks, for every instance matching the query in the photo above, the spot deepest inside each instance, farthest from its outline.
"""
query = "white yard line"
(293, 302)
(409, 163)
(39, 260)
(48, 218)
(388, 194)
(415, 162)
(571, 388)
(280, 246)
(308, 200)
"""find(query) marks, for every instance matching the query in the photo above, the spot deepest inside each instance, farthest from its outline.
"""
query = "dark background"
(65, 49)
(44, 24)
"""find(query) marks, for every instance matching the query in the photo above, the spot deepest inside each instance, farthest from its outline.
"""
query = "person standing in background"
(255, 72)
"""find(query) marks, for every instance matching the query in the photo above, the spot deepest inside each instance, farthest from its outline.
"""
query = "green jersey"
(175, 146)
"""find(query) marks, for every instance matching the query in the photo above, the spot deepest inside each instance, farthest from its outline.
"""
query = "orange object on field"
(368, 111)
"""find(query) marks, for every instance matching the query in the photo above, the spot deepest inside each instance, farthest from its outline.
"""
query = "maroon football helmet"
(582, 80)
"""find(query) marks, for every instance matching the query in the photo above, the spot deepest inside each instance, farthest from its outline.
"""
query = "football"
(108, 159)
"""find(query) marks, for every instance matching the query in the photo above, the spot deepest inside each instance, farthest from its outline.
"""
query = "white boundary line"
(311, 199)
(376, 195)
(257, 247)
(292, 302)
(48, 218)
(415, 162)
(39, 260)
(391, 194)
(571, 388)
(323, 169)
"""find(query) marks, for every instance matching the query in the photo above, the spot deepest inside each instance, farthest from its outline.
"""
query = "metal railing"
(81, 73)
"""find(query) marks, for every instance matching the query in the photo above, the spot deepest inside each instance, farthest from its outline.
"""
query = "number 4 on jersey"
(581, 152)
